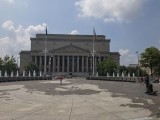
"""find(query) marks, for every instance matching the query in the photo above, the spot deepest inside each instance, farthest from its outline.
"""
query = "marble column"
(58, 61)
(68, 64)
(35, 60)
(87, 64)
(62, 63)
(40, 62)
(91, 65)
(72, 63)
(77, 63)
(53, 68)
(82, 63)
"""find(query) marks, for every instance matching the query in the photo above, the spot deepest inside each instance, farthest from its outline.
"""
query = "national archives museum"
(67, 54)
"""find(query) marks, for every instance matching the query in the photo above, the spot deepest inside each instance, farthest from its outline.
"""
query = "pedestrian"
(159, 80)
(60, 78)
(147, 82)
(142, 81)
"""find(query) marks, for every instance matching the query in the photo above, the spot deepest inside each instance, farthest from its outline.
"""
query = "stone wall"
(101, 44)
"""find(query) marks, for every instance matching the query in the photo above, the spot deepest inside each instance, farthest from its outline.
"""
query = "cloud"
(18, 37)
(31, 30)
(110, 10)
(8, 25)
(123, 52)
(74, 32)
(127, 57)
(109, 20)
(131, 58)
(21, 4)
(4, 46)
(10, 1)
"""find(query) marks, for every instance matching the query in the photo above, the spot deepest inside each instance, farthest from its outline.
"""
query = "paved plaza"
(77, 99)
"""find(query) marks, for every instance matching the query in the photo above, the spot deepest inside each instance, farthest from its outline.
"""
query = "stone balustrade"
(122, 79)
(20, 78)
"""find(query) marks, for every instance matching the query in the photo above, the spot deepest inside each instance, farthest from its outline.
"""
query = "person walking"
(149, 86)
(142, 80)
(147, 83)
(60, 78)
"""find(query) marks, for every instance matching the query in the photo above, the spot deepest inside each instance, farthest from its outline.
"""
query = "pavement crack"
(71, 110)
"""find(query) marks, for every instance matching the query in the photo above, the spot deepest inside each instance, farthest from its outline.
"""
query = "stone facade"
(67, 54)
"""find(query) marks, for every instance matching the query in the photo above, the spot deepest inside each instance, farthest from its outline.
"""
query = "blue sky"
(132, 25)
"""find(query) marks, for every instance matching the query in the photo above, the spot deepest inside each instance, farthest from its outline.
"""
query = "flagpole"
(45, 53)
(93, 50)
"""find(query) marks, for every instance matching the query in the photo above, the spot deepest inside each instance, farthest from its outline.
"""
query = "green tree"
(31, 67)
(131, 70)
(150, 58)
(157, 70)
(123, 69)
(1, 63)
(8, 64)
(107, 66)
(1, 66)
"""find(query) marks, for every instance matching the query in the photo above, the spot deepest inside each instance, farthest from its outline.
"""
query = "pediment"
(70, 49)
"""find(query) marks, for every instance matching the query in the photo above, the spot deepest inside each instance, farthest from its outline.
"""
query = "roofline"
(68, 35)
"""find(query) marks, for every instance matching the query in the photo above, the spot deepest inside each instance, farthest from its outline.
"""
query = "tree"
(107, 66)
(131, 70)
(1, 63)
(157, 70)
(123, 69)
(8, 64)
(31, 67)
(150, 58)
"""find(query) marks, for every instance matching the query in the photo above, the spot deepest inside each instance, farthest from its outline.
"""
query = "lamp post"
(138, 62)
(93, 63)
(93, 51)
(90, 65)
(18, 61)
(45, 53)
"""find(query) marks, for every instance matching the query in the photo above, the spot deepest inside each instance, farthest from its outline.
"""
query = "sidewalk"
(77, 99)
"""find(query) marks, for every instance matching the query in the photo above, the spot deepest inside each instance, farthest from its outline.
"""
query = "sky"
(132, 25)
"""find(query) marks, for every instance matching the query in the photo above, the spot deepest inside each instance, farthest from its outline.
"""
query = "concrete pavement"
(77, 99)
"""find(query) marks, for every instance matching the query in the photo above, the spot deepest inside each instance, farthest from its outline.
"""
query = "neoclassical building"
(67, 54)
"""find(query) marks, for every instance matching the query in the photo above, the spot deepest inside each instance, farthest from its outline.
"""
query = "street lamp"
(93, 62)
(45, 53)
(138, 62)
(18, 61)
(89, 64)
